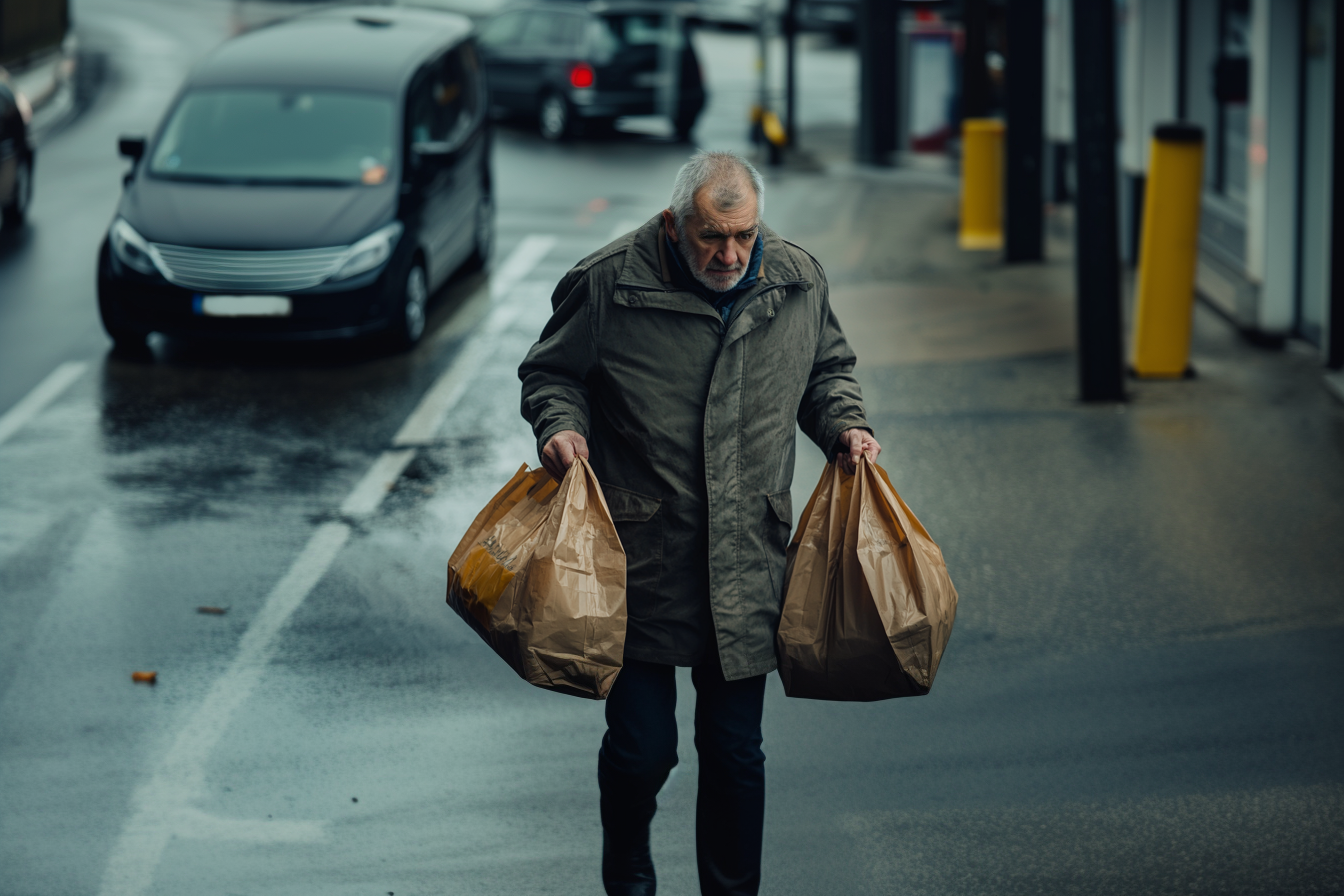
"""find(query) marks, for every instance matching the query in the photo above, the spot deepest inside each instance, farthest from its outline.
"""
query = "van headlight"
(132, 249)
(369, 252)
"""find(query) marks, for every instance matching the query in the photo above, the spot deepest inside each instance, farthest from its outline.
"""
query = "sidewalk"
(1142, 512)
(1147, 646)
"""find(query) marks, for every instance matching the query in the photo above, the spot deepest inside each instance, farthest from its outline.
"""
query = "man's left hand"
(858, 442)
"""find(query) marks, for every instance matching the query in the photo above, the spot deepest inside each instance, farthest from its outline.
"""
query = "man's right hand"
(561, 450)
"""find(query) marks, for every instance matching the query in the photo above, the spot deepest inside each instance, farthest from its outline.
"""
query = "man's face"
(716, 244)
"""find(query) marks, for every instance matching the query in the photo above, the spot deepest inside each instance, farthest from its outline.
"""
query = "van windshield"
(278, 136)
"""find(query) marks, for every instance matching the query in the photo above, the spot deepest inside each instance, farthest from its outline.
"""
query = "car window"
(537, 30)
(567, 31)
(552, 31)
(636, 29)
(278, 135)
(503, 30)
(447, 103)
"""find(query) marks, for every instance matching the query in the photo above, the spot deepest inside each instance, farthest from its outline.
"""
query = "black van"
(317, 178)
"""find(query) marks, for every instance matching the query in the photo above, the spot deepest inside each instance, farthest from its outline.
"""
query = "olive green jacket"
(690, 424)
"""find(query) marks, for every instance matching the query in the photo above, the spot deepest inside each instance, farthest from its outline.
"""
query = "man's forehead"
(743, 217)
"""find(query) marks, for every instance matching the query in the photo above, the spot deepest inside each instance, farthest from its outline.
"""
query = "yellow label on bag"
(484, 577)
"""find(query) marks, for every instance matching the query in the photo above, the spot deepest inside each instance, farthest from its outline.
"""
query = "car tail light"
(582, 75)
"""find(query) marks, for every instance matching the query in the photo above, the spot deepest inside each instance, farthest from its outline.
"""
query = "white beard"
(724, 281)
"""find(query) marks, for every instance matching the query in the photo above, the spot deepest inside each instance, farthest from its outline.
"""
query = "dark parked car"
(316, 178)
(16, 160)
(572, 63)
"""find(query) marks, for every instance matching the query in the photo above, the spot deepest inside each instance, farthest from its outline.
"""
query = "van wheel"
(556, 120)
(17, 210)
(410, 325)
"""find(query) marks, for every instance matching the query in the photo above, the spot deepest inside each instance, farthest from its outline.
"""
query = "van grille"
(229, 270)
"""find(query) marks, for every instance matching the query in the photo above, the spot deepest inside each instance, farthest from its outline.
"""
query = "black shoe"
(627, 865)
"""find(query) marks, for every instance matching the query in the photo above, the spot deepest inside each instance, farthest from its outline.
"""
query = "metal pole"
(1097, 261)
(1334, 337)
(790, 72)
(974, 75)
(1024, 224)
(878, 77)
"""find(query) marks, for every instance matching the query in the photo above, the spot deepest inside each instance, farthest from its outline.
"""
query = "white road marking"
(520, 263)
(159, 803)
(452, 384)
(377, 482)
(43, 394)
(162, 806)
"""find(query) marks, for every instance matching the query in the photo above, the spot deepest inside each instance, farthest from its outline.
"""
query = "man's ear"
(670, 223)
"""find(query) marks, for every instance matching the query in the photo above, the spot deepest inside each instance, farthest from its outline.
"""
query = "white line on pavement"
(161, 807)
(520, 263)
(448, 389)
(43, 394)
(179, 778)
(384, 473)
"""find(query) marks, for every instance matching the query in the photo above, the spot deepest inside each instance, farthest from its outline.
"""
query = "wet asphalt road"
(338, 730)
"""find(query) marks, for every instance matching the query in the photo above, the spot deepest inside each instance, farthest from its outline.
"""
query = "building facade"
(1259, 77)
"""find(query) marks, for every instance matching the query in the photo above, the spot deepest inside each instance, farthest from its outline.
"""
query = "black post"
(1334, 336)
(878, 74)
(1024, 216)
(974, 74)
(790, 72)
(1097, 262)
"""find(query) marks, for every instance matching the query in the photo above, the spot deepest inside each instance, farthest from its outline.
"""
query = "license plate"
(242, 306)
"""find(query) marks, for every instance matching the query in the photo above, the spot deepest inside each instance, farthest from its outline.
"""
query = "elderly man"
(678, 361)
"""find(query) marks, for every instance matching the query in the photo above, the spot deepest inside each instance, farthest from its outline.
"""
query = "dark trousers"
(640, 749)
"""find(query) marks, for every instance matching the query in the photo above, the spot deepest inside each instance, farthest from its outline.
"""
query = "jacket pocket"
(629, 507)
(778, 527)
(640, 527)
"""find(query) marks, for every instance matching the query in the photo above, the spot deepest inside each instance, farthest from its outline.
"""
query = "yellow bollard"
(981, 184)
(1165, 300)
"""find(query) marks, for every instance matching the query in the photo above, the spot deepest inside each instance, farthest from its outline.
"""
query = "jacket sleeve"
(556, 370)
(832, 401)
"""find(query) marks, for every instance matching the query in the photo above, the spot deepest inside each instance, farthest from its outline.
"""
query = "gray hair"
(724, 173)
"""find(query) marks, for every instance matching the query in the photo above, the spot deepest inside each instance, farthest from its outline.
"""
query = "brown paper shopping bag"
(540, 575)
(868, 603)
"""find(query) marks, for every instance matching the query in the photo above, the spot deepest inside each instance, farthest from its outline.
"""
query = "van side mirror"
(132, 148)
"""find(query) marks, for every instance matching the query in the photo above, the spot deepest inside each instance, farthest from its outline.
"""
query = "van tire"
(413, 309)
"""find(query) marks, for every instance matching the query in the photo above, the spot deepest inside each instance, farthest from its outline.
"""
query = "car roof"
(352, 47)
